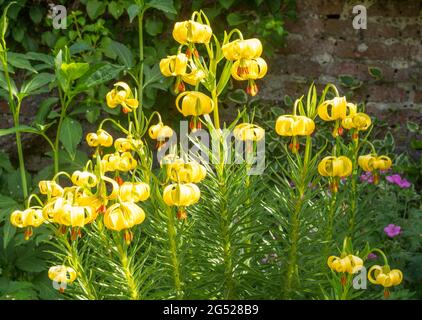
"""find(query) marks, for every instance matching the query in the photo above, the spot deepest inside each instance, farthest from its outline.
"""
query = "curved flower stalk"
(384, 275)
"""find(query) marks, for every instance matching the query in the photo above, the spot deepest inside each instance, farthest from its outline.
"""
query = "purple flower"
(392, 230)
(367, 177)
(372, 256)
(398, 180)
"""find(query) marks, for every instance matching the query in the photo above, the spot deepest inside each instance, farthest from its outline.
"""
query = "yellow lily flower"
(173, 66)
(248, 131)
(101, 138)
(359, 121)
(89, 200)
(50, 188)
(121, 95)
(127, 144)
(181, 195)
(335, 109)
(118, 162)
(291, 125)
(84, 179)
(242, 49)
(28, 218)
(194, 103)
(193, 77)
(335, 167)
(384, 276)
(190, 31)
(123, 215)
(373, 162)
(134, 192)
(75, 216)
(62, 274)
(350, 264)
(160, 132)
(190, 172)
(249, 69)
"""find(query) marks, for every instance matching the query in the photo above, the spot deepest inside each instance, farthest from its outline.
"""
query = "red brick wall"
(322, 44)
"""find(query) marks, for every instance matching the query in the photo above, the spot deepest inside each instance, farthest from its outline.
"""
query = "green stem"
(141, 64)
(292, 257)
(64, 105)
(227, 246)
(21, 160)
(16, 111)
(215, 112)
(353, 204)
(171, 231)
(75, 261)
(128, 272)
(330, 225)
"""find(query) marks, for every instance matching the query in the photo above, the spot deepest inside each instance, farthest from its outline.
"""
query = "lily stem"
(353, 204)
(15, 109)
(171, 231)
(141, 64)
(227, 246)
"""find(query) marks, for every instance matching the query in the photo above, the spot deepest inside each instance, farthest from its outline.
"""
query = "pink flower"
(367, 177)
(372, 256)
(398, 180)
(392, 230)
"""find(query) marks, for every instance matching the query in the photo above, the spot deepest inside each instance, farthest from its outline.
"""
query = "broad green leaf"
(412, 126)
(18, 33)
(38, 81)
(123, 53)
(95, 8)
(70, 135)
(79, 46)
(116, 9)
(18, 290)
(44, 109)
(9, 232)
(226, 4)
(98, 74)
(375, 72)
(132, 11)
(163, 5)
(20, 61)
(36, 14)
(235, 19)
(153, 26)
(238, 96)
(74, 70)
(5, 162)
(416, 144)
(7, 205)
(37, 56)
(30, 260)
(152, 75)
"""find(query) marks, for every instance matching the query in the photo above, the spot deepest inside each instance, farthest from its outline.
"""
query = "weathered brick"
(384, 93)
(403, 8)
(417, 97)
